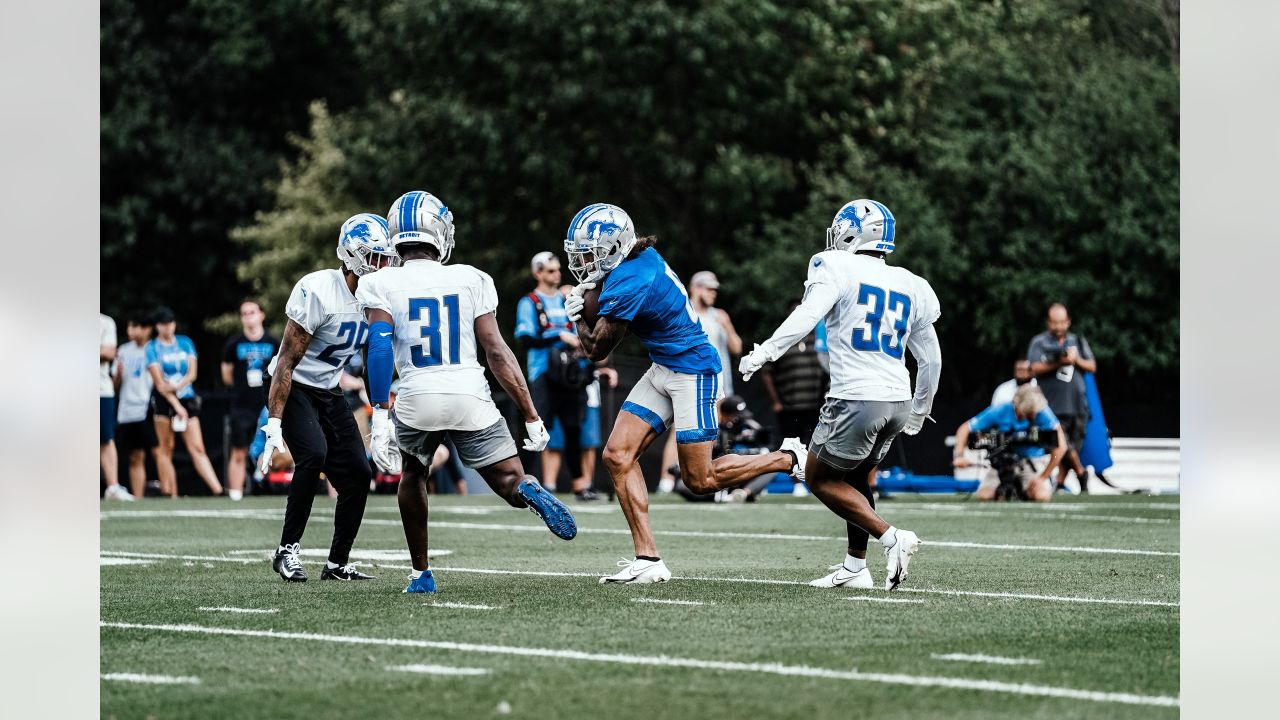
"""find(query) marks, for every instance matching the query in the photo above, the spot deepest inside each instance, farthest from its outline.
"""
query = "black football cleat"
(286, 563)
(344, 572)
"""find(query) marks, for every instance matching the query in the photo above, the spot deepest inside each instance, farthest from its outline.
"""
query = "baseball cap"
(541, 259)
(705, 278)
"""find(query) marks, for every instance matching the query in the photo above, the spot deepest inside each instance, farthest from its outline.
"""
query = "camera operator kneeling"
(1017, 436)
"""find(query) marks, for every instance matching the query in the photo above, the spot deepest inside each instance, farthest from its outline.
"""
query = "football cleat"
(344, 572)
(799, 490)
(587, 495)
(286, 563)
(545, 505)
(640, 572)
(846, 578)
(424, 583)
(799, 453)
(899, 555)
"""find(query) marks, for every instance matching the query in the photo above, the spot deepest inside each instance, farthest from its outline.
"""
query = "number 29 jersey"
(434, 309)
(322, 304)
(880, 308)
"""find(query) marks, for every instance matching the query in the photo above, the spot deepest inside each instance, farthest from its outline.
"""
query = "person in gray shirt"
(1057, 358)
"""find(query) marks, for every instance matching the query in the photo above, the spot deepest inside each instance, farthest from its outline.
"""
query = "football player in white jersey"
(874, 312)
(426, 318)
(306, 408)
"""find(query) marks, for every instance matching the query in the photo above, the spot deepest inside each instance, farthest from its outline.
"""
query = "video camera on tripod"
(1003, 452)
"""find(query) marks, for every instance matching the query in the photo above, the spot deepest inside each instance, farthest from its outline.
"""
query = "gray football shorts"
(476, 448)
(850, 432)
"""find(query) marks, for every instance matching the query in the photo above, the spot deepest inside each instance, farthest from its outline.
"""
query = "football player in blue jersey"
(640, 293)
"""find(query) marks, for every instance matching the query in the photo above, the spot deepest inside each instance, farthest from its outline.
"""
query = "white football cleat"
(795, 447)
(639, 572)
(799, 490)
(844, 577)
(899, 555)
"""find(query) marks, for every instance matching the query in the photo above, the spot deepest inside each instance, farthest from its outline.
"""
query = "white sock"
(281, 549)
(235, 494)
(890, 537)
(331, 565)
(416, 574)
(853, 564)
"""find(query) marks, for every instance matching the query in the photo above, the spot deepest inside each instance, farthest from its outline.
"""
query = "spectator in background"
(171, 360)
(107, 410)
(704, 289)
(1057, 358)
(135, 429)
(555, 366)
(1035, 466)
(797, 386)
(244, 361)
(1021, 376)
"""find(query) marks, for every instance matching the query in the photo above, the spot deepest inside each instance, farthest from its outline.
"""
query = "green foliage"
(1029, 149)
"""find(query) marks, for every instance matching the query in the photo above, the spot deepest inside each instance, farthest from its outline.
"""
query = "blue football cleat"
(424, 583)
(553, 512)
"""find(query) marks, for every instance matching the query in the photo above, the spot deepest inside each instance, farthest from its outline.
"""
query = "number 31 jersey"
(434, 309)
(880, 308)
(322, 304)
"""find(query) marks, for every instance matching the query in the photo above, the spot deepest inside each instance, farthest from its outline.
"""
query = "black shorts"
(1073, 427)
(161, 407)
(139, 435)
(553, 401)
(244, 425)
(106, 419)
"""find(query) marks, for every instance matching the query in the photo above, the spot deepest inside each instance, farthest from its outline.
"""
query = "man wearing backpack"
(557, 371)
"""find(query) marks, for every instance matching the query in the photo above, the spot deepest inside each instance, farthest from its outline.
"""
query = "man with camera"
(557, 370)
(1058, 358)
(1017, 437)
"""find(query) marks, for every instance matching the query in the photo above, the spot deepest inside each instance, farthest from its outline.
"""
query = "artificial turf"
(803, 652)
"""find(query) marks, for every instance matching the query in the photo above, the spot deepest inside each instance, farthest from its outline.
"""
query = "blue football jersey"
(647, 293)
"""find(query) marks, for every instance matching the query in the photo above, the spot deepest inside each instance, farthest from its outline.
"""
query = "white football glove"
(914, 423)
(538, 436)
(382, 443)
(751, 362)
(573, 304)
(275, 441)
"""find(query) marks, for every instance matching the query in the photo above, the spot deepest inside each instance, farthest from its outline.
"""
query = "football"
(591, 306)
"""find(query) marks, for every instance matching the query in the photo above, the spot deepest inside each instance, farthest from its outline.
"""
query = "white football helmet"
(862, 225)
(364, 244)
(419, 217)
(599, 239)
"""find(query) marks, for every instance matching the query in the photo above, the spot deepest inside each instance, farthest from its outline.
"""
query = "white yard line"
(991, 659)
(151, 679)
(165, 556)
(663, 601)
(1049, 598)
(502, 527)
(121, 561)
(437, 670)
(678, 662)
(868, 598)
(246, 611)
(460, 606)
(750, 581)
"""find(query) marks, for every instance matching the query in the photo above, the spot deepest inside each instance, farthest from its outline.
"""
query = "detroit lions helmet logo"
(862, 225)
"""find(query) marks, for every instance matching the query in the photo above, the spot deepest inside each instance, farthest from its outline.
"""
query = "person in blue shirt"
(641, 294)
(543, 329)
(1028, 407)
(171, 360)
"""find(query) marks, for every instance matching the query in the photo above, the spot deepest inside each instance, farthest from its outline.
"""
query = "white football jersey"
(880, 307)
(323, 305)
(434, 309)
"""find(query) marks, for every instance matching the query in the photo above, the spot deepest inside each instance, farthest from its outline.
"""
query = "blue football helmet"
(862, 225)
(419, 217)
(599, 238)
(364, 244)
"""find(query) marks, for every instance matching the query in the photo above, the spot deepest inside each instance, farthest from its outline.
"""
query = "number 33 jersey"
(322, 305)
(879, 308)
(434, 309)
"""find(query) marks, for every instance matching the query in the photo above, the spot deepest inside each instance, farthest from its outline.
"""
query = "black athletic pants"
(570, 406)
(322, 435)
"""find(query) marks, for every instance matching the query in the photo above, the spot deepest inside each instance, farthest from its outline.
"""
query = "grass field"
(1075, 633)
